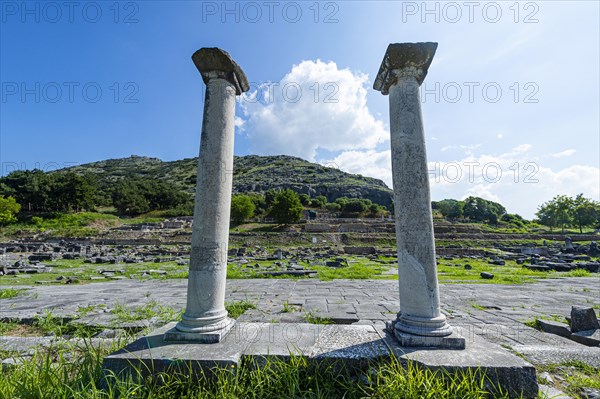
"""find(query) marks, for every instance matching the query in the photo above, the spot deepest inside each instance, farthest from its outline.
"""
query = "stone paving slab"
(494, 312)
(28, 345)
(354, 346)
(549, 354)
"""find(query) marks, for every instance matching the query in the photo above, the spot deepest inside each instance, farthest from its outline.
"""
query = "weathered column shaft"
(205, 318)
(210, 235)
(418, 282)
(419, 322)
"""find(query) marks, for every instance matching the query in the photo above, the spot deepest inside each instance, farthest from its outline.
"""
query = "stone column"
(205, 318)
(419, 322)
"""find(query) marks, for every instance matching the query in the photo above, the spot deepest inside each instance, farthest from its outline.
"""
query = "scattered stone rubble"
(29, 257)
(583, 326)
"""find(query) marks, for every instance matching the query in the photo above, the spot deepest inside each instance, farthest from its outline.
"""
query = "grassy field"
(449, 271)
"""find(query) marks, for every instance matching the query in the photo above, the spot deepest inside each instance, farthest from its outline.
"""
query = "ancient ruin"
(420, 322)
(205, 318)
(353, 322)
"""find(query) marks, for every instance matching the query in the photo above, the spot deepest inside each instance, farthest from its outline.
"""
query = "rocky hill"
(251, 173)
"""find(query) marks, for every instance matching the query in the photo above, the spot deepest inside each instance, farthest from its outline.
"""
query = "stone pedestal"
(205, 318)
(419, 322)
(352, 347)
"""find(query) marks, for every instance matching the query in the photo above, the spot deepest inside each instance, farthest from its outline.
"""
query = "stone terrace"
(493, 312)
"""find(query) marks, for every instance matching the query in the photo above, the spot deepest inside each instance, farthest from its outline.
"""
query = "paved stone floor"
(493, 312)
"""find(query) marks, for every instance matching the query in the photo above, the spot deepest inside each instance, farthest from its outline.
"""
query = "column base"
(411, 331)
(423, 326)
(209, 334)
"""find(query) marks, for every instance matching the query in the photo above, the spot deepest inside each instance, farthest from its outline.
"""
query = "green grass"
(76, 372)
(152, 309)
(474, 305)
(237, 308)
(13, 328)
(287, 308)
(63, 224)
(453, 271)
(573, 273)
(313, 318)
(50, 324)
(360, 270)
(9, 293)
(574, 375)
(83, 272)
(534, 323)
(449, 271)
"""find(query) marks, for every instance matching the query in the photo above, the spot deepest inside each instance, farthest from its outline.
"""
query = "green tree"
(30, 188)
(304, 199)
(481, 210)
(132, 196)
(319, 202)
(286, 207)
(8, 209)
(354, 206)
(260, 205)
(242, 208)
(163, 195)
(70, 191)
(129, 198)
(585, 212)
(451, 208)
(270, 197)
(333, 207)
(556, 213)
(514, 219)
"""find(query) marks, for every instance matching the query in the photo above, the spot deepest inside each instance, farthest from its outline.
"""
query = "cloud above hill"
(319, 108)
(518, 179)
(315, 106)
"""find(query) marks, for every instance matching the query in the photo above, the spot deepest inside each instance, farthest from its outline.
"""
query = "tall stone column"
(419, 322)
(205, 318)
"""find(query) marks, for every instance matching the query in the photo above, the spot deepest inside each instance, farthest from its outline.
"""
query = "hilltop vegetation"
(275, 187)
(251, 173)
(137, 185)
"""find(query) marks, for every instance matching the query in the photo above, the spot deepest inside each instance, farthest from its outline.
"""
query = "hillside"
(252, 173)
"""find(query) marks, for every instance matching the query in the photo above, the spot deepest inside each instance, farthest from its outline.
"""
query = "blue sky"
(511, 102)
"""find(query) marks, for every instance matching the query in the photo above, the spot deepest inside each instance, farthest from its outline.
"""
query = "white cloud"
(563, 154)
(294, 118)
(515, 179)
(521, 148)
(468, 148)
(482, 191)
(367, 163)
(239, 123)
(315, 106)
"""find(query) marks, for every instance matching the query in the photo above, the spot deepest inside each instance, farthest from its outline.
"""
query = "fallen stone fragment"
(589, 337)
(554, 327)
(486, 275)
(583, 319)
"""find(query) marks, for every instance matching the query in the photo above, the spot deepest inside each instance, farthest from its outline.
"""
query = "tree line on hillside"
(286, 206)
(34, 191)
(562, 211)
(37, 191)
(473, 208)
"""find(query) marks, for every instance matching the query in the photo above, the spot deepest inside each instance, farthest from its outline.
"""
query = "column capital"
(212, 62)
(404, 59)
